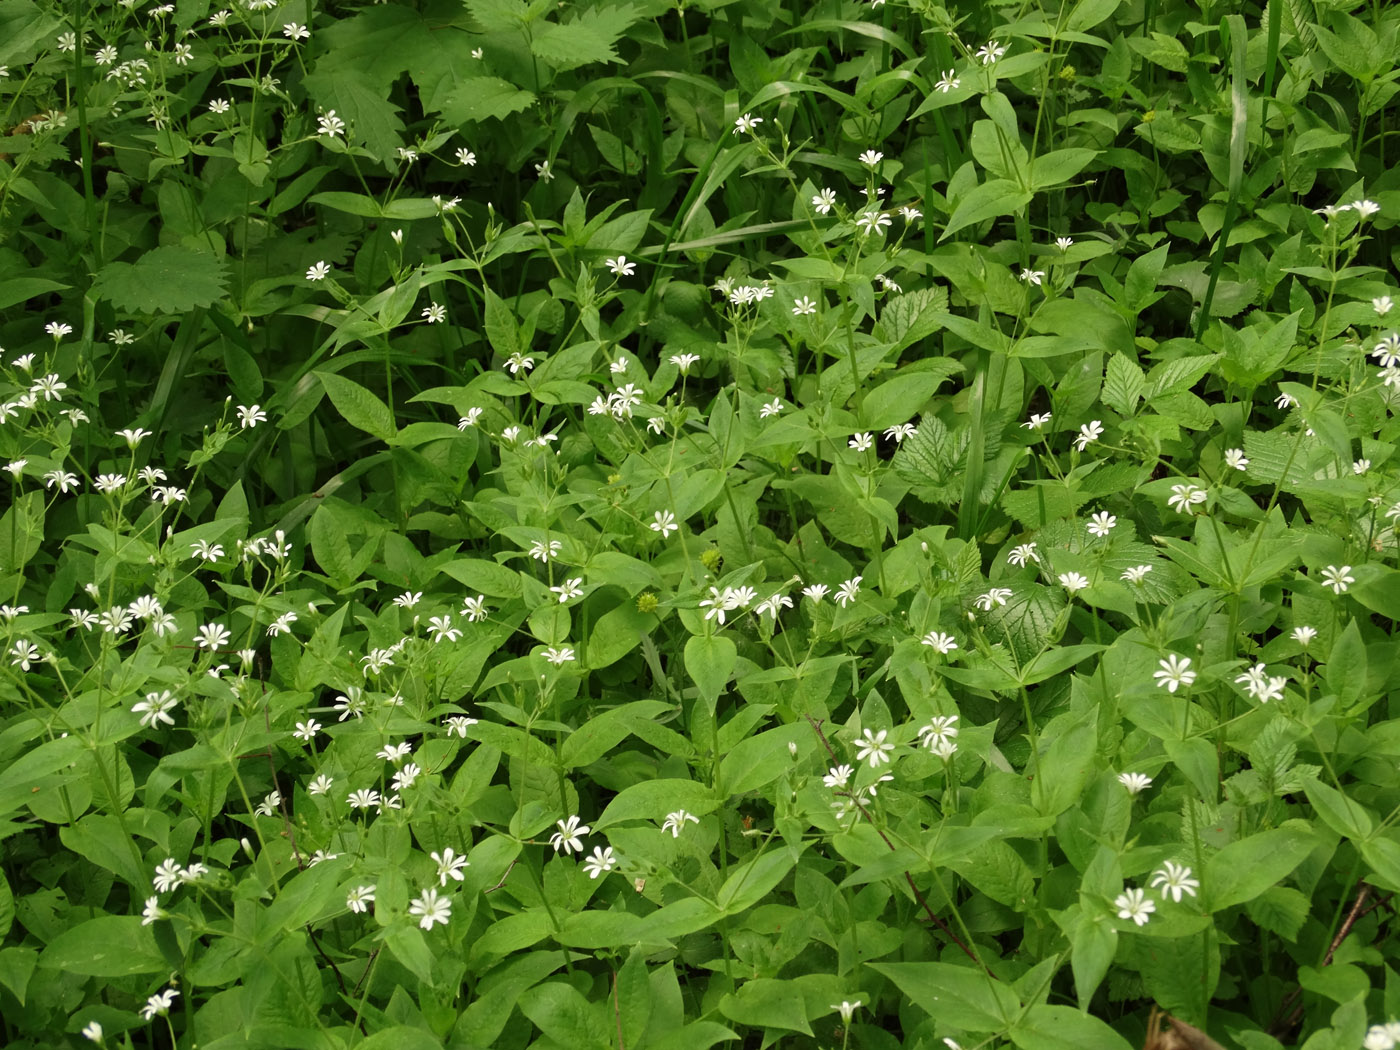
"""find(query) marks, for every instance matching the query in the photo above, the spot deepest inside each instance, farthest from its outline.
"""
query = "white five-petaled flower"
(434, 313)
(939, 642)
(360, 898)
(1304, 635)
(545, 551)
(990, 52)
(816, 592)
(156, 708)
(474, 609)
(1088, 432)
(772, 408)
(684, 361)
(1101, 524)
(449, 865)
(292, 31)
(1136, 573)
(1032, 276)
(900, 431)
(321, 785)
(250, 416)
(440, 627)
(1175, 672)
(947, 82)
(1064, 243)
(861, 442)
(466, 156)
(1337, 578)
(873, 221)
(306, 730)
(92, 1031)
(268, 806)
(1073, 581)
(824, 201)
(1037, 421)
(160, 1003)
(318, 271)
(675, 822)
(1023, 553)
(996, 596)
(431, 908)
(569, 589)
(940, 732)
(1185, 497)
(803, 306)
(747, 123)
(559, 657)
(569, 837)
(846, 593)
(600, 862)
(621, 267)
(664, 522)
(1133, 904)
(871, 157)
(1235, 457)
(212, 636)
(874, 747)
(838, 776)
(1365, 208)
(1382, 305)
(1175, 879)
(847, 1010)
(1136, 783)
(329, 124)
(364, 798)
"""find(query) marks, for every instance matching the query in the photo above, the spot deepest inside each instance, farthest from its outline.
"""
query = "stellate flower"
(545, 551)
(847, 1010)
(1337, 578)
(1136, 783)
(824, 201)
(360, 898)
(450, 865)
(990, 52)
(861, 442)
(1234, 457)
(1073, 581)
(1175, 672)
(250, 416)
(1133, 904)
(431, 908)
(1304, 635)
(440, 627)
(292, 31)
(873, 221)
(600, 862)
(569, 837)
(1037, 421)
(1032, 276)
(803, 306)
(1136, 573)
(559, 657)
(675, 822)
(1184, 497)
(364, 798)
(901, 431)
(1175, 879)
(268, 806)
(747, 123)
(330, 124)
(212, 636)
(1023, 553)
(1382, 305)
(871, 157)
(318, 271)
(474, 609)
(939, 642)
(621, 267)
(874, 747)
(24, 654)
(838, 776)
(947, 82)
(846, 593)
(816, 592)
(108, 483)
(306, 730)
(664, 522)
(996, 596)
(684, 361)
(771, 408)
(941, 728)
(435, 313)
(569, 589)
(1101, 524)
(1064, 243)
(160, 1003)
(1088, 433)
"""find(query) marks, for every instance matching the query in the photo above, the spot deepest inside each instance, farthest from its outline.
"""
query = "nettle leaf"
(24, 28)
(588, 38)
(1123, 384)
(370, 118)
(169, 280)
(907, 318)
(484, 98)
(499, 16)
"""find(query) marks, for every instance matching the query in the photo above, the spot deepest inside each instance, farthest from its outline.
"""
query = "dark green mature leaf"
(959, 996)
(1245, 869)
(589, 37)
(370, 118)
(24, 27)
(484, 98)
(108, 946)
(1064, 1028)
(169, 280)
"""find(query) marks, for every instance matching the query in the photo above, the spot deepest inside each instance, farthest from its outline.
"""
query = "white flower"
(250, 416)
(1064, 243)
(58, 329)
(306, 730)
(434, 313)
(1023, 553)
(773, 604)
(941, 728)
(664, 523)
(684, 361)
(861, 442)
(160, 1003)
(816, 592)
(901, 431)
(320, 785)
(558, 657)
(467, 157)
(1285, 401)
(1133, 904)
(1175, 671)
(156, 708)
(847, 1010)
(329, 124)
(675, 822)
(394, 752)
(1088, 432)
(1136, 783)
(874, 747)
(1175, 879)
(871, 157)
(772, 408)
(569, 589)
(364, 798)
(1101, 524)
(908, 213)
(431, 908)
(268, 806)
(474, 609)
(846, 593)
(469, 420)
(1378, 1038)
(545, 551)
(569, 837)
(1136, 574)
(996, 596)
(601, 861)
(92, 1031)
(1234, 457)
(450, 865)
(109, 482)
(824, 201)
(1073, 581)
(947, 82)
(318, 271)
(1037, 421)
(1184, 497)
(838, 776)
(25, 654)
(1365, 208)
(1332, 210)
(620, 266)
(360, 898)
(1337, 578)
(990, 52)
(1382, 305)
(940, 643)
(205, 550)
(212, 636)
(459, 724)
(282, 625)
(803, 306)
(873, 221)
(133, 437)
(1032, 276)
(747, 123)
(1361, 466)
(292, 31)
(1304, 635)
(440, 627)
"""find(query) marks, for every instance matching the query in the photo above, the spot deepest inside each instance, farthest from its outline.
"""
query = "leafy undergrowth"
(624, 524)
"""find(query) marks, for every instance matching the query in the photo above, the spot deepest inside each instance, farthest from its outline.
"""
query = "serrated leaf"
(371, 120)
(1281, 910)
(484, 98)
(1179, 374)
(588, 38)
(499, 16)
(171, 279)
(907, 318)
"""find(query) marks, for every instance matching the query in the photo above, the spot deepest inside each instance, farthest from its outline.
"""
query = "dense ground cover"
(625, 524)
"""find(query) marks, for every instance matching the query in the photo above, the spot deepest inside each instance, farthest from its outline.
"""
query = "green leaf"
(994, 197)
(1281, 910)
(24, 28)
(958, 996)
(633, 997)
(22, 530)
(898, 399)
(562, 1013)
(1142, 278)
(1345, 671)
(616, 633)
(102, 839)
(759, 760)
(1057, 166)
(485, 98)
(371, 120)
(358, 406)
(1064, 770)
(653, 799)
(1122, 385)
(1343, 815)
(710, 660)
(1092, 946)
(1244, 869)
(108, 946)
(7, 906)
(767, 1003)
(171, 280)
(20, 289)
(753, 880)
(1064, 1028)
(588, 38)
(400, 1037)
